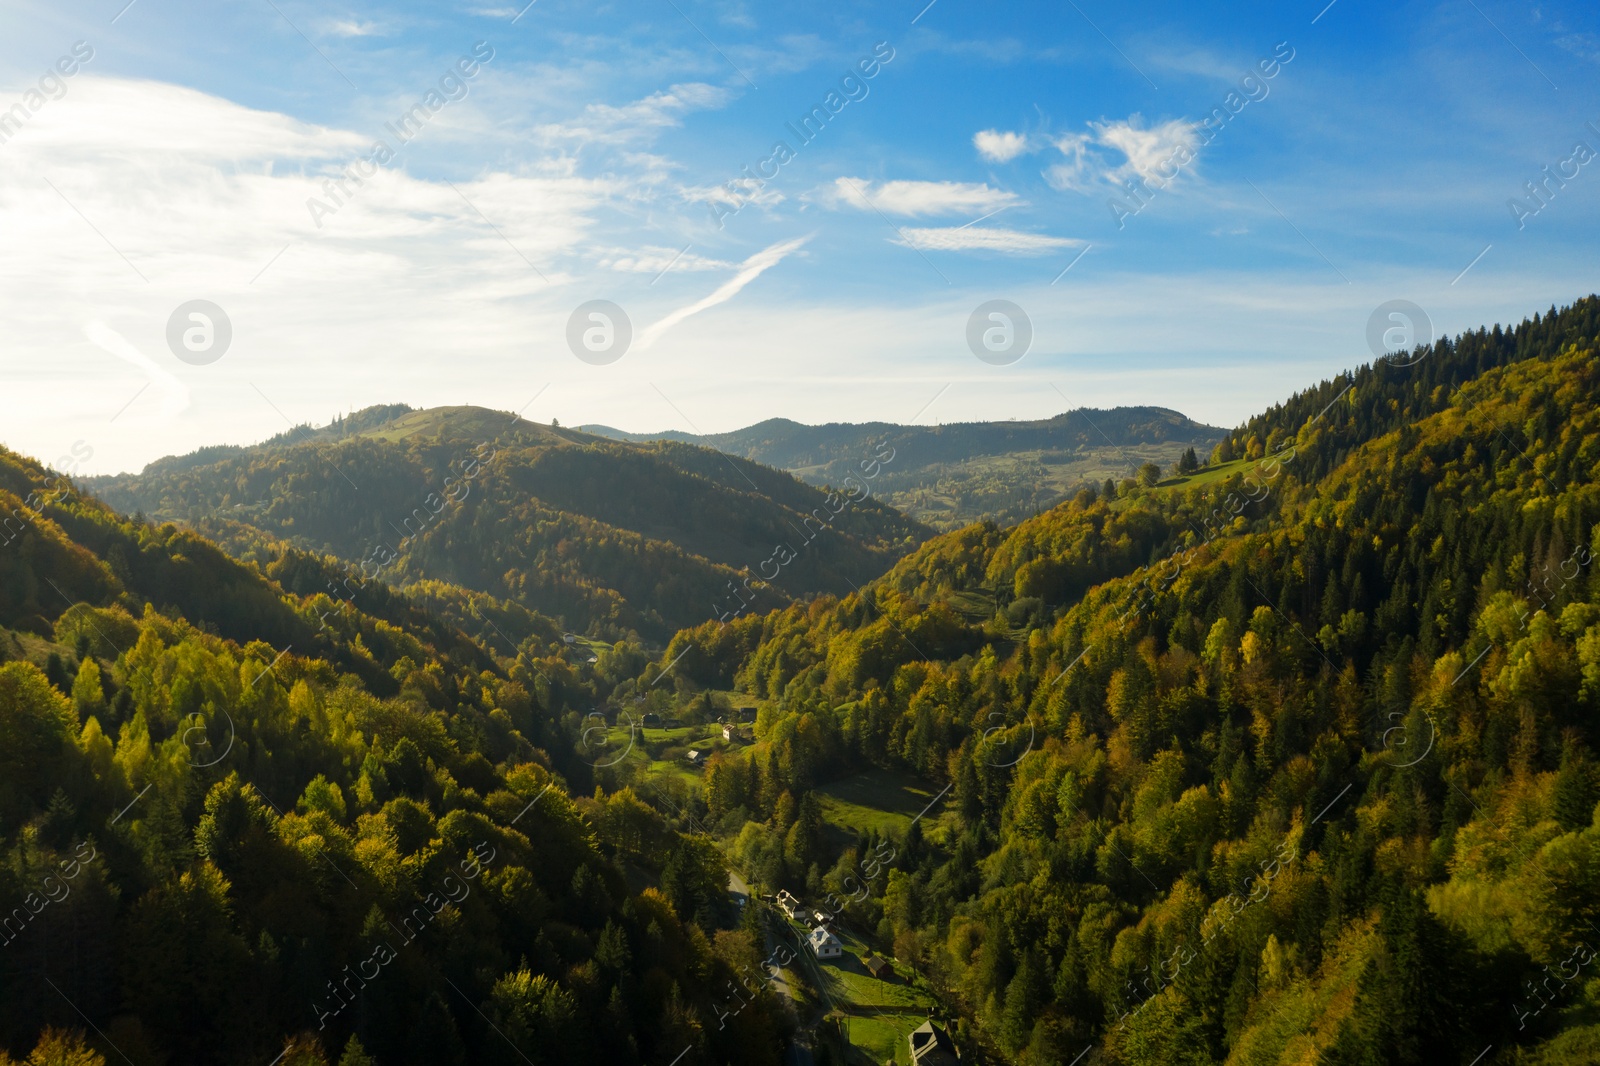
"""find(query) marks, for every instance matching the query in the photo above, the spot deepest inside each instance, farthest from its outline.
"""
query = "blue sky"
(584, 160)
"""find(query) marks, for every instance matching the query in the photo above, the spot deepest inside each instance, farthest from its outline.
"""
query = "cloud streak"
(913, 198)
(749, 270)
(984, 239)
(174, 393)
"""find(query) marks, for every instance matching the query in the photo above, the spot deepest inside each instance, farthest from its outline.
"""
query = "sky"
(221, 220)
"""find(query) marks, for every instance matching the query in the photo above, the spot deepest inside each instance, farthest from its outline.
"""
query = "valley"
(1287, 755)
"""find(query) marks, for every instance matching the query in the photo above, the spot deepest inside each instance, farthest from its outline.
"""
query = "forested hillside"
(952, 475)
(1289, 761)
(611, 539)
(244, 821)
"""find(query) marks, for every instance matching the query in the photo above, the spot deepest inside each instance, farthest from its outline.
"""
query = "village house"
(825, 944)
(931, 1046)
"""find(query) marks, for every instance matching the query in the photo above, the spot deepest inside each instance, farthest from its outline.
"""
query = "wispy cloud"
(1088, 159)
(983, 239)
(655, 260)
(1583, 45)
(174, 393)
(997, 146)
(749, 270)
(735, 193)
(915, 197)
(614, 124)
(354, 28)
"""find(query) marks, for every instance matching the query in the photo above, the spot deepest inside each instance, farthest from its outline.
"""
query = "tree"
(1149, 474)
(355, 1055)
(1189, 462)
(88, 692)
(535, 1015)
(58, 1048)
(36, 732)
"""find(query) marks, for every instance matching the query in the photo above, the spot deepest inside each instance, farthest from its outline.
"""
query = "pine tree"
(355, 1055)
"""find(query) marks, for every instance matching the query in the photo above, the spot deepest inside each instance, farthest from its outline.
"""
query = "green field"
(882, 1037)
(878, 1012)
(974, 606)
(882, 801)
(1209, 475)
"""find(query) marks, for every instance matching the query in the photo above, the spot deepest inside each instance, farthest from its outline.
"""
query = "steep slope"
(239, 824)
(1297, 765)
(951, 475)
(611, 538)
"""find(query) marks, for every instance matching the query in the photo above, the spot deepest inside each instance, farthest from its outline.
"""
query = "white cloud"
(174, 393)
(749, 270)
(207, 200)
(735, 193)
(1148, 150)
(983, 239)
(915, 197)
(354, 28)
(657, 260)
(996, 146)
(1156, 153)
(1079, 165)
(614, 124)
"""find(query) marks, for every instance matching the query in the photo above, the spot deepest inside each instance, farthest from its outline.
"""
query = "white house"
(825, 944)
(788, 904)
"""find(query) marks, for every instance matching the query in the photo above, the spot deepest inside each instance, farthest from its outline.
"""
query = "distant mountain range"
(951, 475)
(609, 537)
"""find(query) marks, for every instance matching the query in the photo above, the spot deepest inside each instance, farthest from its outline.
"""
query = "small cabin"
(788, 904)
(877, 966)
(696, 757)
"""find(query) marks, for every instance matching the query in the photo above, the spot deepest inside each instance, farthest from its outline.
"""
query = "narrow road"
(738, 888)
(797, 1053)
